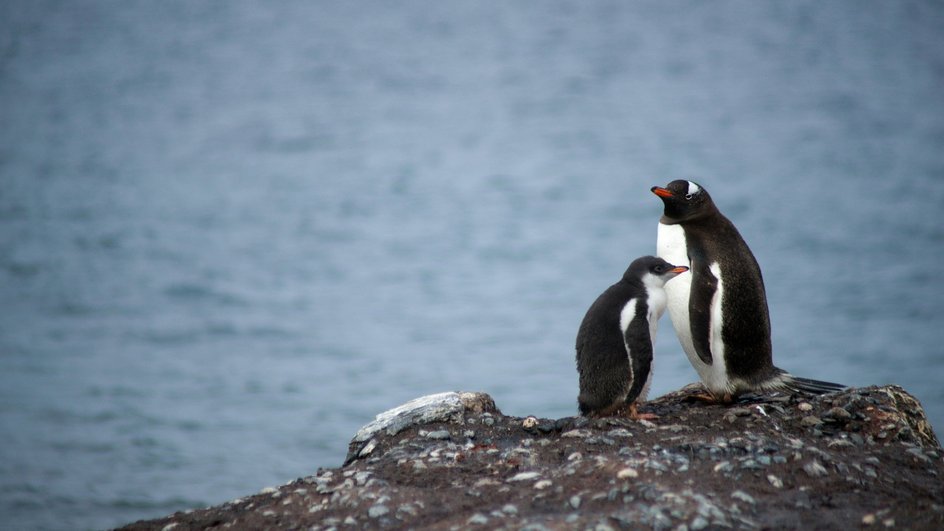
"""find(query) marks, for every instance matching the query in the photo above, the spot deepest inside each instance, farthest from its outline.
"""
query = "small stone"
(575, 501)
(525, 476)
(815, 469)
(627, 473)
(407, 509)
(699, 523)
(543, 484)
(724, 466)
(350, 520)
(438, 435)
(805, 406)
(169, 526)
(619, 432)
(838, 414)
(488, 421)
(577, 433)
(468, 434)
(376, 511)
(419, 466)
(269, 490)
(743, 496)
(576, 456)
(509, 509)
(776, 482)
(868, 519)
(477, 519)
(811, 420)
(529, 422)
(888, 522)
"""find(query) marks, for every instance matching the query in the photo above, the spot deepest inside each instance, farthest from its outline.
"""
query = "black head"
(684, 201)
(651, 270)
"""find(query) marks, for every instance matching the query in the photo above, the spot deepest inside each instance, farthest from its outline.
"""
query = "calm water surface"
(231, 233)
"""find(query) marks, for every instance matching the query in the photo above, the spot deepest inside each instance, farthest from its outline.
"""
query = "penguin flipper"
(704, 286)
(819, 387)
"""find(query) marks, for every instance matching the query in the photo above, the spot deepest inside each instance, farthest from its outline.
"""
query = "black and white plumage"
(719, 311)
(614, 343)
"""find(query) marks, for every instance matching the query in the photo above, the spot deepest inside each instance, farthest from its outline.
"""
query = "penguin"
(719, 310)
(614, 343)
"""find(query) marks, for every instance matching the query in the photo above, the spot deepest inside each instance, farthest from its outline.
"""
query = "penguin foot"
(634, 414)
(708, 398)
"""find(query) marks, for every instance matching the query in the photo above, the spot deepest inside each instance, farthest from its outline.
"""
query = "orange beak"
(679, 269)
(661, 192)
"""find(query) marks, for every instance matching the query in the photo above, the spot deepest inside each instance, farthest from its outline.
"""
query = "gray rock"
(376, 511)
(438, 435)
(442, 407)
(477, 519)
(815, 469)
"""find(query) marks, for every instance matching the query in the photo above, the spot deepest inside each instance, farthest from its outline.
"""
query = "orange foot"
(634, 414)
(709, 398)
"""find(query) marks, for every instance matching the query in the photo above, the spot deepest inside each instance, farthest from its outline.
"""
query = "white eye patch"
(693, 188)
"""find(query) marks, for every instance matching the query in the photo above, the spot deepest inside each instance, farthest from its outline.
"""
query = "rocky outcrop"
(862, 457)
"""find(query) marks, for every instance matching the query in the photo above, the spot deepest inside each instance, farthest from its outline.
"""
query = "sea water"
(233, 232)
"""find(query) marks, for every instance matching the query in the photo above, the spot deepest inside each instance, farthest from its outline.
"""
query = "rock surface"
(860, 458)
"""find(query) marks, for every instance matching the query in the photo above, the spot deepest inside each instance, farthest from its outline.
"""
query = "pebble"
(743, 496)
(805, 406)
(724, 466)
(575, 501)
(576, 456)
(627, 473)
(525, 476)
(376, 511)
(543, 484)
(269, 490)
(529, 422)
(776, 482)
(811, 420)
(468, 434)
(350, 520)
(815, 469)
(619, 432)
(438, 435)
(407, 509)
(509, 509)
(477, 519)
(168, 527)
(699, 523)
(838, 414)
(577, 433)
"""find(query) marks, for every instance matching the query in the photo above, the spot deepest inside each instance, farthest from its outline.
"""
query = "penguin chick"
(719, 311)
(614, 343)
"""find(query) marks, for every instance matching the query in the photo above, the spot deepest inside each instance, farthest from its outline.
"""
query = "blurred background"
(233, 232)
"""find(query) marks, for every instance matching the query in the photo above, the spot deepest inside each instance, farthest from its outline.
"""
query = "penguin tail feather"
(818, 387)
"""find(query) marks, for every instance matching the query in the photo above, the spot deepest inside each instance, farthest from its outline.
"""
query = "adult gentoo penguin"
(719, 311)
(614, 343)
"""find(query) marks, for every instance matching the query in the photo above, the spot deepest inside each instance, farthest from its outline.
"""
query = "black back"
(603, 362)
(710, 237)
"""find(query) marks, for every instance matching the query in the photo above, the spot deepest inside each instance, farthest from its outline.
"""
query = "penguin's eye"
(688, 197)
(659, 269)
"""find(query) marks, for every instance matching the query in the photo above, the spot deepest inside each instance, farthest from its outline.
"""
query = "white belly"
(671, 247)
